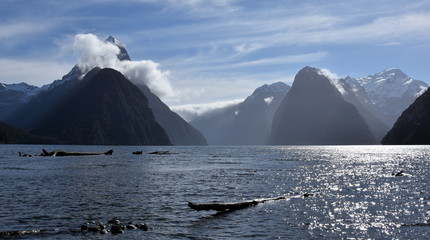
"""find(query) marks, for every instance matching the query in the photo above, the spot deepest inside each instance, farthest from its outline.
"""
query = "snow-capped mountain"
(50, 97)
(23, 88)
(391, 83)
(123, 55)
(388, 93)
(13, 96)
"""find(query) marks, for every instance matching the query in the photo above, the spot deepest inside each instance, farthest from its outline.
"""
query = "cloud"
(268, 100)
(9, 30)
(96, 53)
(197, 8)
(191, 111)
(34, 72)
(299, 58)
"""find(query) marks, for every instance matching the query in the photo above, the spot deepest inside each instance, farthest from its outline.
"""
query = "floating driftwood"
(160, 153)
(228, 207)
(137, 152)
(26, 154)
(64, 153)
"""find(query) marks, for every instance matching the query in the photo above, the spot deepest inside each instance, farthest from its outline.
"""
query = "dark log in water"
(228, 207)
(160, 153)
(64, 153)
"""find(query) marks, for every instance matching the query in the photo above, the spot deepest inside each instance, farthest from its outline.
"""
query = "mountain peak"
(123, 55)
(272, 88)
(393, 73)
(314, 112)
(113, 40)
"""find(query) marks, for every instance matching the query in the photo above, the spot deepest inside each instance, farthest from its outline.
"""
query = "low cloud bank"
(191, 111)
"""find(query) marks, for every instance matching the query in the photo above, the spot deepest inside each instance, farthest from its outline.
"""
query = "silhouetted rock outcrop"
(413, 125)
(104, 108)
(314, 112)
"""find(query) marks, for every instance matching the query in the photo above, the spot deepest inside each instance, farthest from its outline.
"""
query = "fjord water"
(355, 193)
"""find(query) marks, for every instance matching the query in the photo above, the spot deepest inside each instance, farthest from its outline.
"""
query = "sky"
(204, 53)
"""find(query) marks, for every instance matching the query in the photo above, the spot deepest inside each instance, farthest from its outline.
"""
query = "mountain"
(354, 93)
(123, 54)
(246, 123)
(42, 104)
(46, 102)
(104, 108)
(387, 93)
(179, 131)
(413, 126)
(12, 135)
(314, 112)
(14, 96)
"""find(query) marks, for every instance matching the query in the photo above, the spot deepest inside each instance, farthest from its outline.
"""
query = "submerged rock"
(116, 229)
(114, 226)
(142, 226)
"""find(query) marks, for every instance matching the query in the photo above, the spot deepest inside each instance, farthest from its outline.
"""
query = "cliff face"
(314, 112)
(413, 125)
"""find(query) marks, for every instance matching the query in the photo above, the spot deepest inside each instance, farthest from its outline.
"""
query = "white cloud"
(246, 48)
(96, 53)
(9, 30)
(201, 8)
(191, 111)
(299, 58)
(34, 72)
(268, 100)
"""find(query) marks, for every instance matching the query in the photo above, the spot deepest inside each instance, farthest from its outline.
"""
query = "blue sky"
(219, 50)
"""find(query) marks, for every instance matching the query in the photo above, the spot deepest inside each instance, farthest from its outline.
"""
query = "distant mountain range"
(53, 111)
(379, 99)
(317, 109)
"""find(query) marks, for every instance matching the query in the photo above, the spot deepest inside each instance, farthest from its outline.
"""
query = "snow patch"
(421, 91)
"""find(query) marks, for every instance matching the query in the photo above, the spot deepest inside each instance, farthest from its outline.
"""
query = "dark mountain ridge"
(105, 108)
(413, 125)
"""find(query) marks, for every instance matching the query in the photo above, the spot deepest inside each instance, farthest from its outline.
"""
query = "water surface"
(356, 195)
